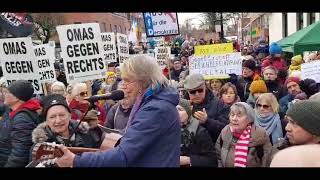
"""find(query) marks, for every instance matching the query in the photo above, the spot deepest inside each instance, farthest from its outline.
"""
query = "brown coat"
(259, 137)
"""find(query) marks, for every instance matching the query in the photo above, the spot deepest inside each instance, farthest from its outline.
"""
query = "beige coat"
(225, 152)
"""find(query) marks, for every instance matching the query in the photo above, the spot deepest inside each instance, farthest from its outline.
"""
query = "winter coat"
(284, 101)
(83, 137)
(5, 128)
(117, 117)
(197, 144)
(251, 101)
(218, 114)
(175, 74)
(16, 131)
(152, 138)
(243, 85)
(259, 148)
(276, 89)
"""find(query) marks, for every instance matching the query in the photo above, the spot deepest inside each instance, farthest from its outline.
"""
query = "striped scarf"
(242, 147)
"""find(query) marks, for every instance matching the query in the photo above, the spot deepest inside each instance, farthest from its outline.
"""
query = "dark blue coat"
(152, 139)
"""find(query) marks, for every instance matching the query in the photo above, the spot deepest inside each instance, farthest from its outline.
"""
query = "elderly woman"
(58, 125)
(152, 136)
(228, 94)
(267, 117)
(58, 88)
(197, 147)
(242, 143)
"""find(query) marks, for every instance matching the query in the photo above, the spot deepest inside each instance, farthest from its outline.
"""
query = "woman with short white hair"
(58, 88)
(152, 135)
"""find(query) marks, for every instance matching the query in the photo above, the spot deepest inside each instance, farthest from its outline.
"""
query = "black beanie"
(309, 86)
(22, 89)
(306, 114)
(53, 100)
(251, 64)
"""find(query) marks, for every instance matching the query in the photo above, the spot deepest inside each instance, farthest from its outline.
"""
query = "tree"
(211, 19)
(45, 25)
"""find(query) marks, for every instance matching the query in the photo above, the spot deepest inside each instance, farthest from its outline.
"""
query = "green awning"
(307, 39)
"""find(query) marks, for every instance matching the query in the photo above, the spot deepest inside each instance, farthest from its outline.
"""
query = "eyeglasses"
(83, 94)
(264, 106)
(196, 90)
(125, 84)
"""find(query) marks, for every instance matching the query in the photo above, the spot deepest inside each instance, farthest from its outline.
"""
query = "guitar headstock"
(45, 151)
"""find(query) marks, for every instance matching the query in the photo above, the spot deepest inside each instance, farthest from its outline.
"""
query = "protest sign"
(213, 49)
(161, 24)
(82, 51)
(18, 61)
(311, 70)
(109, 47)
(45, 57)
(162, 54)
(123, 47)
(216, 65)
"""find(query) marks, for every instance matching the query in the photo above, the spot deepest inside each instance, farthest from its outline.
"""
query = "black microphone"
(114, 95)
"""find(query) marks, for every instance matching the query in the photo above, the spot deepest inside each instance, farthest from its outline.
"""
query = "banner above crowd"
(213, 49)
(161, 24)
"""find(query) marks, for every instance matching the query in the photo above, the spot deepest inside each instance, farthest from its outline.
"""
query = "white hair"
(144, 68)
(76, 88)
(58, 84)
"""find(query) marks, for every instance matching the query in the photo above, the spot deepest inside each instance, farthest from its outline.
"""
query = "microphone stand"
(91, 106)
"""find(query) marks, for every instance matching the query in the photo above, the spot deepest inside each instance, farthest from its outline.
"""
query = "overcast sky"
(184, 16)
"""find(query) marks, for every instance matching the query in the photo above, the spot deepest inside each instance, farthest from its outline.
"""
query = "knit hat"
(291, 79)
(251, 64)
(22, 89)
(296, 60)
(275, 49)
(309, 86)
(249, 110)
(186, 106)
(306, 114)
(193, 81)
(258, 86)
(53, 100)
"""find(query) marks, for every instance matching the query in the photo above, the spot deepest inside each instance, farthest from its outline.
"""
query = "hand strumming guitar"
(67, 159)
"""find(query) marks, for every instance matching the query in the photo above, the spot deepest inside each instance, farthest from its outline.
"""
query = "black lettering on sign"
(124, 50)
(43, 63)
(19, 67)
(34, 82)
(106, 37)
(46, 75)
(40, 51)
(108, 47)
(80, 34)
(85, 65)
(14, 48)
(123, 39)
(86, 49)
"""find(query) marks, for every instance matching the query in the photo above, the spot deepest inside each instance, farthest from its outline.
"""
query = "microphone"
(114, 95)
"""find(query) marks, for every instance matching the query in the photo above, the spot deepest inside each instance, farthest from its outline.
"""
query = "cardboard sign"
(45, 58)
(18, 61)
(123, 47)
(161, 24)
(82, 52)
(162, 54)
(216, 65)
(311, 70)
(223, 48)
(109, 47)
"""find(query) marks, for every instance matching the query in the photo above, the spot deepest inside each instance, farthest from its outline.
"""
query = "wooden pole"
(44, 87)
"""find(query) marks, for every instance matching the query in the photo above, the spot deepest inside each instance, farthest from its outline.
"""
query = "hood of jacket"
(169, 94)
(32, 105)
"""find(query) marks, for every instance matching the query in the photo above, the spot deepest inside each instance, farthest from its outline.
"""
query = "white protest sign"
(162, 54)
(109, 47)
(216, 65)
(82, 51)
(45, 58)
(311, 70)
(123, 47)
(161, 24)
(18, 61)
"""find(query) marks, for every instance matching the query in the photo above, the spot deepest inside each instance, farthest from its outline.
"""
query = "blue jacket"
(284, 101)
(152, 139)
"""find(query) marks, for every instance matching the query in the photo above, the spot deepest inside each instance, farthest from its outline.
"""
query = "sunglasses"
(83, 94)
(264, 106)
(196, 90)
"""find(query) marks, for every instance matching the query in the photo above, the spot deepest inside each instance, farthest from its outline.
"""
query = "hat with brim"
(193, 81)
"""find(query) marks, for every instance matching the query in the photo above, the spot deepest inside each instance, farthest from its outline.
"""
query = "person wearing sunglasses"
(267, 117)
(207, 108)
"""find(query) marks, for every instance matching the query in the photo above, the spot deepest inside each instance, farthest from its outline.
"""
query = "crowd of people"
(169, 117)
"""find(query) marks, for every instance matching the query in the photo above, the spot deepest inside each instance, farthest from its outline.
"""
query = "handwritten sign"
(216, 65)
(162, 54)
(213, 49)
(311, 70)
(161, 24)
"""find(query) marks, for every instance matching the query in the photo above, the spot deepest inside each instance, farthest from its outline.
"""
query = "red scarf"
(242, 147)
(32, 104)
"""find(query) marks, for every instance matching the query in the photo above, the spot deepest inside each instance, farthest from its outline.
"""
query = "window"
(115, 28)
(299, 21)
(285, 24)
(311, 18)
(103, 27)
(120, 29)
(110, 28)
(77, 22)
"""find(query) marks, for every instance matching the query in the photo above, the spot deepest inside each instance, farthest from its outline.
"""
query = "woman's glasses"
(264, 106)
(196, 90)
(83, 94)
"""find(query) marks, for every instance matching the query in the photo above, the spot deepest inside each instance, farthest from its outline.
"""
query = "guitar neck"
(78, 150)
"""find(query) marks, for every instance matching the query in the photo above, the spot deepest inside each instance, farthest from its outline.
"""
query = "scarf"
(271, 124)
(242, 147)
